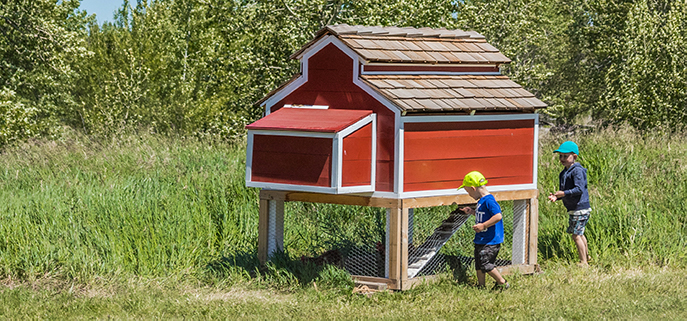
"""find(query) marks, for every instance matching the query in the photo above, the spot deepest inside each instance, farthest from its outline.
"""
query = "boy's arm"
(578, 179)
(479, 227)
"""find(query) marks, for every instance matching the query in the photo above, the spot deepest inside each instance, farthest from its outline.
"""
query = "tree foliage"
(195, 67)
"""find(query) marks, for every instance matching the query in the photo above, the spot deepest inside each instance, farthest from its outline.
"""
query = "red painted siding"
(292, 160)
(330, 83)
(438, 155)
(430, 68)
(357, 157)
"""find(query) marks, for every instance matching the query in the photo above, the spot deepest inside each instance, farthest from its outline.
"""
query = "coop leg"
(270, 229)
(411, 222)
(533, 211)
(519, 231)
(398, 246)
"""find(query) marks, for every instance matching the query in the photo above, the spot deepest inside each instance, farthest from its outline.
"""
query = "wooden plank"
(262, 230)
(466, 199)
(330, 198)
(395, 236)
(403, 260)
(371, 279)
(534, 227)
(411, 283)
(517, 268)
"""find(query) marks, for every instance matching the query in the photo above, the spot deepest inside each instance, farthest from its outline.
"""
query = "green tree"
(647, 82)
(40, 44)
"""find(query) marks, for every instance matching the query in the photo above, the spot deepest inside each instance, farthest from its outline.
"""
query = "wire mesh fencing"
(439, 239)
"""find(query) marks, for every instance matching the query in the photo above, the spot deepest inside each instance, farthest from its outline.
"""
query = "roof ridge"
(404, 32)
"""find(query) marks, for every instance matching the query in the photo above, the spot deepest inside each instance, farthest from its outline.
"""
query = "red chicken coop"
(395, 117)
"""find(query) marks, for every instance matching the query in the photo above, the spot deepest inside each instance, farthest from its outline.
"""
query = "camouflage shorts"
(485, 256)
(577, 221)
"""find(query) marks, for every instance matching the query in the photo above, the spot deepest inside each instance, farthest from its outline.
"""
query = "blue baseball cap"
(568, 147)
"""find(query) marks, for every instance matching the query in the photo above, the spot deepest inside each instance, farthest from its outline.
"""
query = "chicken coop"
(394, 118)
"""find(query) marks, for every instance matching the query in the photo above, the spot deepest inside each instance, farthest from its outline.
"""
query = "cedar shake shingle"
(438, 87)
(462, 93)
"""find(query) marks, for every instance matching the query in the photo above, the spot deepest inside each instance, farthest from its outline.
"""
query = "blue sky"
(103, 9)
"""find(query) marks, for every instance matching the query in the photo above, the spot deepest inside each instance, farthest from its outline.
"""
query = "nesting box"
(395, 117)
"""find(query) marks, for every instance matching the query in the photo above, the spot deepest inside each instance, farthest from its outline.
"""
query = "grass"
(561, 292)
(150, 226)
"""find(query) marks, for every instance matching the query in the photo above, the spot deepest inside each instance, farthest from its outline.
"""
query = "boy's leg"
(480, 278)
(580, 242)
(576, 226)
(485, 257)
(586, 248)
(497, 276)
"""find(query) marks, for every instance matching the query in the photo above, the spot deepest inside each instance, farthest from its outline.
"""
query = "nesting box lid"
(309, 120)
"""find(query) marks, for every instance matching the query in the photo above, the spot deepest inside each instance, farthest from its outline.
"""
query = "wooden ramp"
(423, 254)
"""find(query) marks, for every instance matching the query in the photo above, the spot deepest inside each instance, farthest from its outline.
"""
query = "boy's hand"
(468, 210)
(552, 197)
(479, 227)
(556, 196)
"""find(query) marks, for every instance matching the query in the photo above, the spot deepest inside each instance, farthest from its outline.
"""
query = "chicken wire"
(439, 239)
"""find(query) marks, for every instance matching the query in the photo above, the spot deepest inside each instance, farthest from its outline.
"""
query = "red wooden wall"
(357, 157)
(292, 160)
(330, 83)
(438, 155)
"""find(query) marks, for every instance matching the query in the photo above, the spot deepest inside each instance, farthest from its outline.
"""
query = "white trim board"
(473, 118)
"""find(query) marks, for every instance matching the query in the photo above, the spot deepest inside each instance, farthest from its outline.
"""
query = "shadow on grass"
(282, 270)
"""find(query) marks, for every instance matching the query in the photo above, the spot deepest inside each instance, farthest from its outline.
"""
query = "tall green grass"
(138, 205)
(638, 194)
(156, 206)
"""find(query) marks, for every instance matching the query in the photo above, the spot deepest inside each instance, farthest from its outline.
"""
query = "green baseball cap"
(568, 147)
(473, 179)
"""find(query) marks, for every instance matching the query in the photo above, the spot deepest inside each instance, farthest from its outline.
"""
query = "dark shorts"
(485, 256)
(577, 220)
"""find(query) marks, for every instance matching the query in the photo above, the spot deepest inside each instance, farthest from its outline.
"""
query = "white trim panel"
(455, 191)
(429, 72)
(449, 118)
(291, 133)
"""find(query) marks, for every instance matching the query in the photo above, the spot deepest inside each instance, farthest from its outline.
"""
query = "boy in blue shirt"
(488, 228)
(573, 192)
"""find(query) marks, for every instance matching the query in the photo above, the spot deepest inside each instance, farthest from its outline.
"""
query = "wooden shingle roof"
(454, 93)
(413, 45)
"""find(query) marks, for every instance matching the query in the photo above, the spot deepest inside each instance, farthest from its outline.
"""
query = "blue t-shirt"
(486, 208)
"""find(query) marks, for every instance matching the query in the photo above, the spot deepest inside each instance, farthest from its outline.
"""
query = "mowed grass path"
(560, 292)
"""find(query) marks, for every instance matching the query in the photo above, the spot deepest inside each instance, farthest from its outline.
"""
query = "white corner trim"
(249, 157)
(535, 160)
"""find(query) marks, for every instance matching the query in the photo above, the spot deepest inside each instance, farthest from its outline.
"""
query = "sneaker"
(501, 287)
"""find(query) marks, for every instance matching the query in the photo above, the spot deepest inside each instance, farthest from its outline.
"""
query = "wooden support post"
(270, 228)
(398, 246)
(533, 215)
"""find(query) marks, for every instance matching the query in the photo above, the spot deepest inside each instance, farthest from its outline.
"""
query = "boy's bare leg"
(586, 248)
(497, 276)
(581, 243)
(480, 278)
